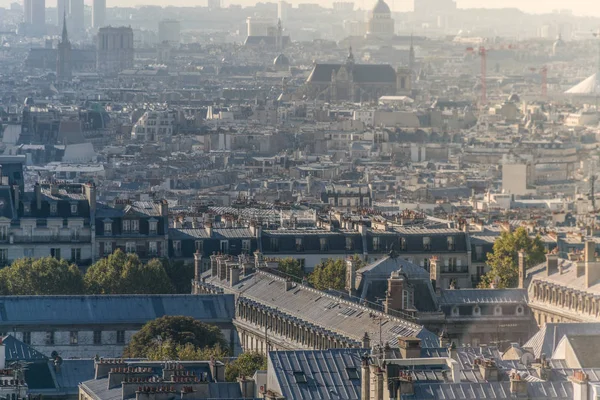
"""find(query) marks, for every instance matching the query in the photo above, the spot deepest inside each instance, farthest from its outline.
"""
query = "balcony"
(52, 238)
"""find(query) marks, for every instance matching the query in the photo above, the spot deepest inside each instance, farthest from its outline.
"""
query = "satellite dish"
(527, 359)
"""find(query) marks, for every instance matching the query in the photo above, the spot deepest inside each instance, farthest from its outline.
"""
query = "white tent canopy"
(588, 86)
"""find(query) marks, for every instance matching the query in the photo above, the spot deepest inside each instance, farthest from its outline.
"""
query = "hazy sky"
(579, 7)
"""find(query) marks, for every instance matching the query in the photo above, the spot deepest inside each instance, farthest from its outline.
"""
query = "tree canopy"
(330, 274)
(42, 276)
(180, 274)
(291, 268)
(176, 330)
(185, 352)
(245, 365)
(121, 273)
(504, 259)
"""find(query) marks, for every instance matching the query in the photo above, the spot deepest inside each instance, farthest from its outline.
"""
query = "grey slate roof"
(19, 351)
(548, 337)
(483, 296)
(491, 390)
(321, 309)
(111, 309)
(326, 373)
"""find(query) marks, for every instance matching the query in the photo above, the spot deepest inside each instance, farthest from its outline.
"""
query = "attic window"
(26, 208)
(300, 377)
(352, 373)
(73, 209)
(53, 208)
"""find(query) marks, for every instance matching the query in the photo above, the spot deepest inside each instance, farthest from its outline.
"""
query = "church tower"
(64, 67)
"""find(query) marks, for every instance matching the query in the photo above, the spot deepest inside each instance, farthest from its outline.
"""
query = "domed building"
(558, 47)
(381, 23)
(281, 63)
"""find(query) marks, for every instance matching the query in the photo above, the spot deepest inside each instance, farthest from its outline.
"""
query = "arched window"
(520, 310)
(476, 311)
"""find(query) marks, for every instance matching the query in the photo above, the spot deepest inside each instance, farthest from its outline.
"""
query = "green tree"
(504, 259)
(330, 274)
(185, 352)
(176, 330)
(180, 274)
(42, 276)
(245, 365)
(122, 273)
(291, 268)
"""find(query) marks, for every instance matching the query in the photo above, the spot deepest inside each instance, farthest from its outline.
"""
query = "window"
(480, 271)
(152, 248)
(246, 245)
(27, 337)
(427, 243)
(4, 232)
(97, 337)
(349, 244)
(520, 310)
(26, 208)
(126, 225)
(224, 246)
(324, 244)
(73, 337)
(135, 225)
(3, 255)
(200, 246)
(28, 252)
(497, 310)
(54, 233)
(300, 377)
(130, 247)
(75, 234)
(274, 244)
(455, 312)
(408, 299)
(55, 253)
(177, 248)
(476, 311)
(73, 209)
(76, 254)
(403, 244)
(299, 244)
(375, 243)
(479, 253)
(108, 248)
(153, 226)
(352, 373)
(53, 208)
(450, 241)
(425, 263)
(108, 228)
(120, 337)
(50, 337)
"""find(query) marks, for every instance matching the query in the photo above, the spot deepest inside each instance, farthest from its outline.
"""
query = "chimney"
(197, 265)
(406, 384)
(592, 267)
(234, 275)
(365, 375)
(522, 269)
(366, 341)
(518, 386)
(410, 346)
(580, 385)
(17, 195)
(434, 273)
(551, 263)
(2, 354)
(377, 382)
(213, 265)
(393, 298)
(53, 189)
(38, 195)
(488, 370)
(163, 207)
(209, 229)
(246, 387)
(289, 285)
(217, 370)
(351, 276)
(90, 195)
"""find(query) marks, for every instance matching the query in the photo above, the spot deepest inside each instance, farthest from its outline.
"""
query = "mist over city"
(370, 200)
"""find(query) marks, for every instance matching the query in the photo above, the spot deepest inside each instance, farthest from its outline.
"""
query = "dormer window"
(53, 208)
(426, 243)
(455, 311)
(450, 243)
(108, 228)
(73, 209)
(153, 226)
(26, 208)
(476, 311)
(497, 310)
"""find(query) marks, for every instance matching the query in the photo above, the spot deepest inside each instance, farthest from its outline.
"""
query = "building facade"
(114, 49)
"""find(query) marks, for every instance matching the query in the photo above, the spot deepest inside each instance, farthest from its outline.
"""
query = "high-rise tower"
(98, 13)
